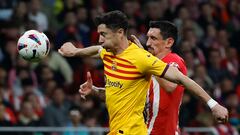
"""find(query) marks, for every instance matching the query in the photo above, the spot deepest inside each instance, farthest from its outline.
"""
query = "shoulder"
(175, 59)
(102, 52)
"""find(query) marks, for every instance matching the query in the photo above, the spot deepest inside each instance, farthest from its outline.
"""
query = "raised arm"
(174, 75)
(69, 50)
(88, 88)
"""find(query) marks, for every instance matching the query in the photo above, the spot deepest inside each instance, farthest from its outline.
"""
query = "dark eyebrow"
(102, 33)
(153, 37)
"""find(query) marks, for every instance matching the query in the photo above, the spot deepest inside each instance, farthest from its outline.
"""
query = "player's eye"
(153, 38)
(103, 34)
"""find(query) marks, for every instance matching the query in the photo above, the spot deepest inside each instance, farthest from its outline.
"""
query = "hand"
(135, 40)
(67, 49)
(220, 113)
(86, 88)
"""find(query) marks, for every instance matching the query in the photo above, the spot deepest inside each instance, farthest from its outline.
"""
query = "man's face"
(107, 37)
(155, 43)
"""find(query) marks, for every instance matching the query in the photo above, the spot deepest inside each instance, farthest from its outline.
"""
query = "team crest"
(114, 65)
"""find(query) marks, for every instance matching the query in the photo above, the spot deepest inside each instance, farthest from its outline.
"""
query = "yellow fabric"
(127, 78)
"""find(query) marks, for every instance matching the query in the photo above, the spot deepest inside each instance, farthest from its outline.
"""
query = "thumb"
(60, 51)
(89, 78)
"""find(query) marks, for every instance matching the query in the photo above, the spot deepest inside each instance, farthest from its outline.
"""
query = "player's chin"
(150, 50)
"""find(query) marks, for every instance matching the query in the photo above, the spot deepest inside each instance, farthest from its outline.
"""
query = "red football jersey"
(163, 107)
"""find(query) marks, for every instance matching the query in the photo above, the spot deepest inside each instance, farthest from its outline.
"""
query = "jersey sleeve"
(149, 64)
(102, 52)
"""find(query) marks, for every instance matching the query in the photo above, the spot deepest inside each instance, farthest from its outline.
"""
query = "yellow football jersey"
(127, 77)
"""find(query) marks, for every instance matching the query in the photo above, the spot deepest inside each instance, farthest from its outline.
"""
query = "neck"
(163, 54)
(121, 47)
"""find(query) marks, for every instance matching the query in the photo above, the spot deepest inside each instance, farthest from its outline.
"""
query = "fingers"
(89, 78)
(59, 51)
(134, 38)
(222, 120)
(136, 41)
(82, 95)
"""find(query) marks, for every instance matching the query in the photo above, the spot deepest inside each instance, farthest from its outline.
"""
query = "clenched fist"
(68, 50)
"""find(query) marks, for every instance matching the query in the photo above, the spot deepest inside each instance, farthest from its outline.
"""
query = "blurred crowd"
(46, 93)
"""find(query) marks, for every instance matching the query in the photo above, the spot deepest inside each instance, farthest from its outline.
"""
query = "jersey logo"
(116, 84)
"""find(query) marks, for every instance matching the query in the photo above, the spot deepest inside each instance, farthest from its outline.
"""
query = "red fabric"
(166, 122)
(11, 115)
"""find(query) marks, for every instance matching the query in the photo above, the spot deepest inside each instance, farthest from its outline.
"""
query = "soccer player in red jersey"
(164, 97)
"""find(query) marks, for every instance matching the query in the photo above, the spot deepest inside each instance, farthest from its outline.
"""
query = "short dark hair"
(167, 29)
(113, 20)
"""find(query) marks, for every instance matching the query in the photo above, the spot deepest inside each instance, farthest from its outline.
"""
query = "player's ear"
(170, 42)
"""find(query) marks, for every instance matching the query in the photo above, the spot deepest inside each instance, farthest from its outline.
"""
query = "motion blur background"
(46, 93)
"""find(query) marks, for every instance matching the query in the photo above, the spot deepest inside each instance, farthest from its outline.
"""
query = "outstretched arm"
(69, 50)
(88, 88)
(174, 75)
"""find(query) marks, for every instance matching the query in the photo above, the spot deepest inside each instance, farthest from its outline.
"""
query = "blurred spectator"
(56, 113)
(207, 16)
(226, 87)
(223, 42)
(190, 36)
(28, 88)
(231, 62)
(10, 55)
(4, 122)
(154, 11)
(27, 117)
(21, 71)
(209, 39)
(232, 103)
(191, 62)
(201, 73)
(215, 71)
(83, 27)
(36, 103)
(75, 121)
(68, 6)
(6, 8)
(20, 15)
(37, 16)
(4, 90)
(69, 31)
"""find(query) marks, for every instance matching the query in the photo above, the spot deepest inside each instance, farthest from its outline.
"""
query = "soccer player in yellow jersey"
(128, 71)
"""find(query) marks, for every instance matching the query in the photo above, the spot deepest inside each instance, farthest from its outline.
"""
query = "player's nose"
(148, 43)
(101, 39)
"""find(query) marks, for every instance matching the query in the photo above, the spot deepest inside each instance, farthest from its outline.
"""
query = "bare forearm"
(192, 86)
(167, 85)
(89, 51)
(174, 75)
(100, 92)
